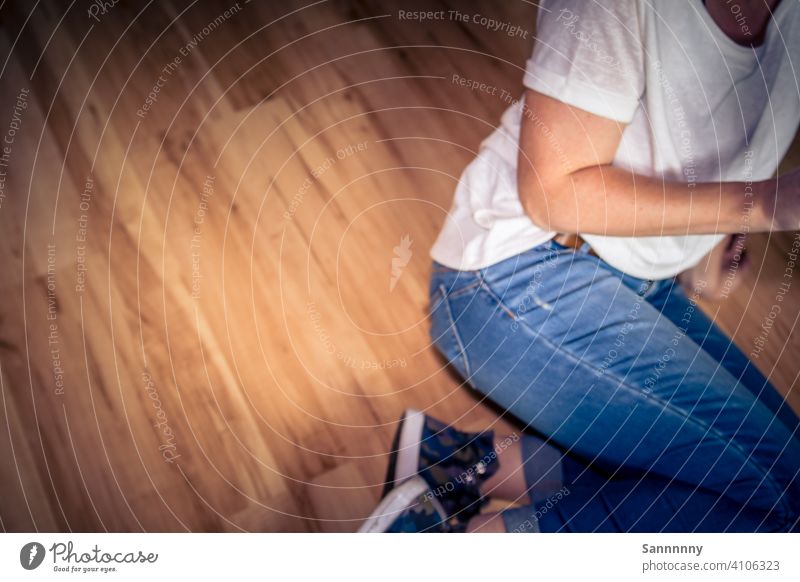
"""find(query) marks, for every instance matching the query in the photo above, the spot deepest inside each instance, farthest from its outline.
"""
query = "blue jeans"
(655, 419)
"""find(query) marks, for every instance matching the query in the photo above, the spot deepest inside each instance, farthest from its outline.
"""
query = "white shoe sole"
(398, 500)
(406, 463)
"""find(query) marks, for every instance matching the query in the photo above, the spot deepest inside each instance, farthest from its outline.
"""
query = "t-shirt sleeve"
(589, 54)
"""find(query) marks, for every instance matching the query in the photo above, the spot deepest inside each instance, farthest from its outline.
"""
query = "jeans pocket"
(444, 332)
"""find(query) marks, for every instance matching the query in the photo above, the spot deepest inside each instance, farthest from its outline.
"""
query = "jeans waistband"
(550, 250)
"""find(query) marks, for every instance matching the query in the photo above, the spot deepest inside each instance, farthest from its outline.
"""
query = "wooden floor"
(201, 328)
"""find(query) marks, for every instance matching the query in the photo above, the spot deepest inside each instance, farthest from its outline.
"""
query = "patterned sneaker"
(410, 507)
(453, 463)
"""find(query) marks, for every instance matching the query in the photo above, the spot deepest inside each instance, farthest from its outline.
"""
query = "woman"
(651, 128)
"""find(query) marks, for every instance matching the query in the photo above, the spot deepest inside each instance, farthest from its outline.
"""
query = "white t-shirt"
(699, 108)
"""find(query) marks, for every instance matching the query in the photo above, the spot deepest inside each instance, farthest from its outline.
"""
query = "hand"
(716, 277)
(779, 202)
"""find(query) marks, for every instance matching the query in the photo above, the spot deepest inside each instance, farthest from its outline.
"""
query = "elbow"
(542, 210)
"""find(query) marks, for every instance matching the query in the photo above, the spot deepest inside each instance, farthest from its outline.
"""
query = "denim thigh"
(674, 304)
(573, 349)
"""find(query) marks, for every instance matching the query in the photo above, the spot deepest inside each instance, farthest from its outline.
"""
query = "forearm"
(611, 201)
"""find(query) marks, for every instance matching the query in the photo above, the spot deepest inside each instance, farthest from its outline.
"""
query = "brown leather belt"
(572, 240)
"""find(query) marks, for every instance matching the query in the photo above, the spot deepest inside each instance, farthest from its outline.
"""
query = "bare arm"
(567, 184)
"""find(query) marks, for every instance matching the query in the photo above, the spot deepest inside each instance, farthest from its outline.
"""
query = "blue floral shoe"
(408, 508)
(453, 463)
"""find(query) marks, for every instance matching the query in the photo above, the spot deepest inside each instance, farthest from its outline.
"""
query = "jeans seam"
(663, 403)
(462, 290)
(500, 303)
(434, 299)
(454, 330)
(486, 287)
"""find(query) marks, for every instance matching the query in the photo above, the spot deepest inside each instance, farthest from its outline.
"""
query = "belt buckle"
(573, 241)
